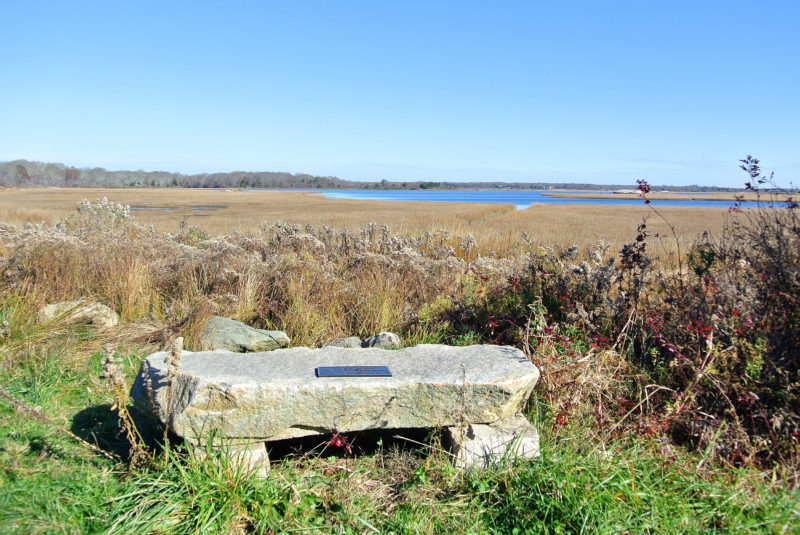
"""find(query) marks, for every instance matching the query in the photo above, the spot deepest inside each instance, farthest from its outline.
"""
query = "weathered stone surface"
(481, 446)
(77, 312)
(349, 342)
(251, 456)
(224, 333)
(384, 340)
(276, 395)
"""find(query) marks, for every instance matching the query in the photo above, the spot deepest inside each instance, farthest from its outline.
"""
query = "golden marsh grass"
(496, 227)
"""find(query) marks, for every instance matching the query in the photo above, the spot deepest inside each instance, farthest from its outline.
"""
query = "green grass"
(49, 483)
(634, 491)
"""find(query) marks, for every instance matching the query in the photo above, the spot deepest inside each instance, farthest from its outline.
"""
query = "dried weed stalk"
(115, 382)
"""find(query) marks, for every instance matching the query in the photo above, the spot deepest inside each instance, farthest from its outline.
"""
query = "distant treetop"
(23, 173)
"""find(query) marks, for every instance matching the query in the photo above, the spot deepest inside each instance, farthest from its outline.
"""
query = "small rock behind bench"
(224, 333)
(77, 312)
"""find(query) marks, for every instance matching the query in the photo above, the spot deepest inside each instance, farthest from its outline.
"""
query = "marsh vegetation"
(497, 228)
(669, 393)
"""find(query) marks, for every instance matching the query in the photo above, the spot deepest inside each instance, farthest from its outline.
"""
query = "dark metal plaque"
(353, 371)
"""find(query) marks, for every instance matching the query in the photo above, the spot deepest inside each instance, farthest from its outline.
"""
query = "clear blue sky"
(674, 92)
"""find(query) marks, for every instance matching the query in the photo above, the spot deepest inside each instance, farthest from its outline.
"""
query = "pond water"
(195, 208)
(519, 198)
(150, 209)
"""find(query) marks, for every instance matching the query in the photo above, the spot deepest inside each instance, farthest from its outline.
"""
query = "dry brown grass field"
(496, 227)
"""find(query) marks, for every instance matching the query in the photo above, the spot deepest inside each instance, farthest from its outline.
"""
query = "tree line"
(24, 173)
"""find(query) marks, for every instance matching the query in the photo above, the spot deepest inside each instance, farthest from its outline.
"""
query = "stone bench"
(475, 393)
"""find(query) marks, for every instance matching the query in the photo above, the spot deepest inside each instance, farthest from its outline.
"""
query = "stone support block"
(485, 445)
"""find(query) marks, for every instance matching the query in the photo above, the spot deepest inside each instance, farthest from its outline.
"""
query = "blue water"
(519, 198)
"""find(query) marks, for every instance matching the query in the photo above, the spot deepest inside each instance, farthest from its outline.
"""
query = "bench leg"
(485, 445)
